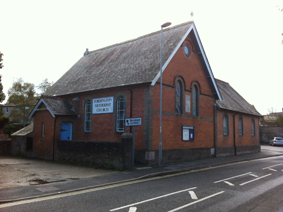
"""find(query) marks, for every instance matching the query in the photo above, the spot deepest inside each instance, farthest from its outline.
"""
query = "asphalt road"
(246, 186)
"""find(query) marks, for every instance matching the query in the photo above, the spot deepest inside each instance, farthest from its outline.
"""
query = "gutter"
(234, 133)
(53, 151)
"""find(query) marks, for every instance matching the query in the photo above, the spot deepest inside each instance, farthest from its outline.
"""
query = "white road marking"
(271, 169)
(193, 195)
(228, 183)
(133, 209)
(192, 203)
(148, 200)
(255, 179)
(232, 177)
(253, 175)
(273, 166)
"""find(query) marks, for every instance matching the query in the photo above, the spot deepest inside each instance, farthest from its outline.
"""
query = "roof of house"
(7, 105)
(132, 62)
(55, 105)
(24, 131)
(232, 100)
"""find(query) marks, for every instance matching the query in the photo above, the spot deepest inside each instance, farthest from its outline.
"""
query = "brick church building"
(202, 117)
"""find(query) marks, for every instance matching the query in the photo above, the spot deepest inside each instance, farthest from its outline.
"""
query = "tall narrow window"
(87, 124)
(253, 127)
(121, 114)
(195, 100)
(240, 126)
(225, 125)
(179, 97)
(42, 130)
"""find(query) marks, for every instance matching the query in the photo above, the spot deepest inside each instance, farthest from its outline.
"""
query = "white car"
(276, 141)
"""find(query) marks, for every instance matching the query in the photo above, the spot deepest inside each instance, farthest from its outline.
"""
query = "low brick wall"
(174, 155)
(247, 149)
(225, 151)
(5, 147)
(113, 155)
(228, 151)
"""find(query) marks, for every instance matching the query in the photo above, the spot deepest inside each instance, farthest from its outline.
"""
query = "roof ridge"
(138, 38)
(221, 81)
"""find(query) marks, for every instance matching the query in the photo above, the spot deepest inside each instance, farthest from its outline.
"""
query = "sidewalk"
(91, 178)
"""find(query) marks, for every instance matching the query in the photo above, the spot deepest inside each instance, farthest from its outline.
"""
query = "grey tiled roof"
(232, 100)
(56, 106)
(132, 62)
(24, 131)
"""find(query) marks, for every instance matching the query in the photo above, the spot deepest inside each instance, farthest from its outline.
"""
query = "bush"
(9, 129)
(3, 121)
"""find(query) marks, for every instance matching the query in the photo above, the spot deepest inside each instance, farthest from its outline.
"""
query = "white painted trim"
(206, 63)
(192, 27)
(171, 56)
(36, 107)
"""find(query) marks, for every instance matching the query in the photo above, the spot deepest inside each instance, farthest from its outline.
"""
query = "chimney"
(86, 52)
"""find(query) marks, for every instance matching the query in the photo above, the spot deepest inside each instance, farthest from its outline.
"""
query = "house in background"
(201, 117)
(7, 108)
(271, 126)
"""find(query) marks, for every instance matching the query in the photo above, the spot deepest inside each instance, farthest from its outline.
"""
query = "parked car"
(276, 141)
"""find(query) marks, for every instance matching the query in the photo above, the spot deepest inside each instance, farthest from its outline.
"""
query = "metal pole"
(133, 151)
(160, 115)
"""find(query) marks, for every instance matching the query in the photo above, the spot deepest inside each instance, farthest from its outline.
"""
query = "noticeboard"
(188, 133)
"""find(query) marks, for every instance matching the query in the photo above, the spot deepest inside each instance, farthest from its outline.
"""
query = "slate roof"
(232, 100)
(56, 106)
(24, 131)
(132, 62)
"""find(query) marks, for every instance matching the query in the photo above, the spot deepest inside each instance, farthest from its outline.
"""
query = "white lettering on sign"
(133, 122)
(102, 105)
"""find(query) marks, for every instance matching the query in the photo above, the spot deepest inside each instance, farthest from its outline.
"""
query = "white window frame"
(87, 116)
(120, 114)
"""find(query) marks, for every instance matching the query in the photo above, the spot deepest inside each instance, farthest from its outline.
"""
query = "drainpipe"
(215, 128)
(234, 133)
(131, 110)
(53, 156)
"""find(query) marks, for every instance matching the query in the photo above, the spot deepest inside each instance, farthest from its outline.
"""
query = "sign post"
(132, 122)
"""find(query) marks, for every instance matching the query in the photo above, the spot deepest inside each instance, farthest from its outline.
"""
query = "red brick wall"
(246, 139)
(190, 70)
(103, 125)
(43, 147)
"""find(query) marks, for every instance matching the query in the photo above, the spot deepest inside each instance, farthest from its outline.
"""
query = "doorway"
(66, 131)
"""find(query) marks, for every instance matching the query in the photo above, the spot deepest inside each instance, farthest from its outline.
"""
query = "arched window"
(87, 120)
(179, 97)
(195, 100)
(240, 126)
(253, 127)
(225, 125)
(120, 114)
(42, 130)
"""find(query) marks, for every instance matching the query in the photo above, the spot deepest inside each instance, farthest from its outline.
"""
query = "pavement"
(22, 178)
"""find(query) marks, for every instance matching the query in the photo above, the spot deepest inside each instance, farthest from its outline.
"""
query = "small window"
(225, 125)
(7, 109)
(195, 100)
(186, 50)
(87, 121)
(42, 130)
(121, 114)
(179, 97)
(253, 127)
(240, 126)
